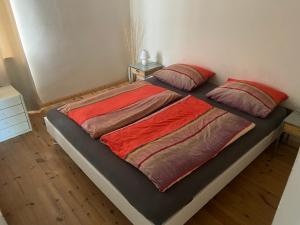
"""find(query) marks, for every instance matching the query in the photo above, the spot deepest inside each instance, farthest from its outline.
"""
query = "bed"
(138, 199)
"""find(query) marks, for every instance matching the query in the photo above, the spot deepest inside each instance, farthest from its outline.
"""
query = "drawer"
(138, 77)
(290, 129)
(11, 121)
(16, 100)
(137, 72)
(13, 130)
(11, 111)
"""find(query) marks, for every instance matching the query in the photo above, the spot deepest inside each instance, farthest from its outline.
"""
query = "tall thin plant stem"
(134, 35)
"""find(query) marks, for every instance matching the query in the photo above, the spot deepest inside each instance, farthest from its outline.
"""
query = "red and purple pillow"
(183, 76)
(251, 97)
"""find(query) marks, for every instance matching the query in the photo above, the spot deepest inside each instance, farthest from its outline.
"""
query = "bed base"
(185, 213)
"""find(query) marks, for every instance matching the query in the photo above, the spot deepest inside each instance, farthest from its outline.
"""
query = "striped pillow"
(183, 76)
(251, 97)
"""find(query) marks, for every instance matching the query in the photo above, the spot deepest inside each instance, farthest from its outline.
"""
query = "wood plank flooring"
(40, 185)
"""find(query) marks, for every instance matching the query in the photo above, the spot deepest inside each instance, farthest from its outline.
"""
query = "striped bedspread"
(171, 143)
(118, 107)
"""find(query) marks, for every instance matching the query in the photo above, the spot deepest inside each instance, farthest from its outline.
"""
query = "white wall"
(4, 47)
(73, 45)
(251, 39)
(288, 209)
(13, 64)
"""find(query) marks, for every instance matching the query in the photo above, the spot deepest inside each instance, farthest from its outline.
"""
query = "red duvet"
(171, 143)
(118, 107)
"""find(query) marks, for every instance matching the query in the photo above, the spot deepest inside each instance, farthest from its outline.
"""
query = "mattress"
(136, 188)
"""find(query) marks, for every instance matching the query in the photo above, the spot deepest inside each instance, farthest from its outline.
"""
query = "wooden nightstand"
(291, 124)
(141, 72)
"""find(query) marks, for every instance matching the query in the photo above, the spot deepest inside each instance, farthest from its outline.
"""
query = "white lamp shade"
(144, 54)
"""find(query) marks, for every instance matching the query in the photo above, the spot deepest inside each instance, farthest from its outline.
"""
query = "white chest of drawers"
(14, 119)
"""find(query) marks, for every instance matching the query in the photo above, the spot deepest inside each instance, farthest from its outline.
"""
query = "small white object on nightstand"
(14, 118)
(144, 56)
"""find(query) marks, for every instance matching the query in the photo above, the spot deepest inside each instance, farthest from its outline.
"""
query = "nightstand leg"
(284, 138)
(287, 137)
(276, 146)
(278, 139)
(130, 80)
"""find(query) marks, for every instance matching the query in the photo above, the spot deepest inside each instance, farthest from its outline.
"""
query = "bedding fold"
(118, 107)
(173, 142)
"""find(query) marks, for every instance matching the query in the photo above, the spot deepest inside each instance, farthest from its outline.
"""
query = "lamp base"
(144, 62)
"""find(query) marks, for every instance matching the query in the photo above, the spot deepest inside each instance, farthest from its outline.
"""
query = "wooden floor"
(40, 185)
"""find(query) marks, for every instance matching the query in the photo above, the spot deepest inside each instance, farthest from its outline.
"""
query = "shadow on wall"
(23, 82)
(3, 76)
(159, 57)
